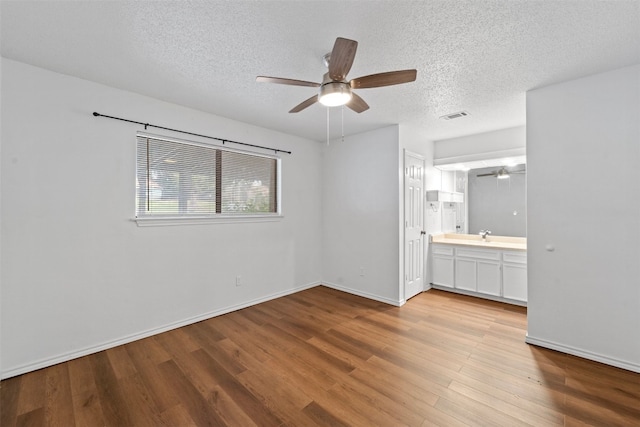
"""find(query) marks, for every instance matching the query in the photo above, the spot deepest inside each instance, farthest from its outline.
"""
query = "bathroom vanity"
(494, 267)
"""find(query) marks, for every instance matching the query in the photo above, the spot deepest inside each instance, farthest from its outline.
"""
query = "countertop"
(492, 242)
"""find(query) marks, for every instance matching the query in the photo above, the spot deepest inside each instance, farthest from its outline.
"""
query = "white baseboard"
(50, 361)
(634, 367)
(397, 303)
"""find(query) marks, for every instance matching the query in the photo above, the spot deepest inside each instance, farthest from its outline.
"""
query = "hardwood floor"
(322, 357)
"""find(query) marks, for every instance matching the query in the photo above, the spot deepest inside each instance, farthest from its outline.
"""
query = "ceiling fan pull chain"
(342, 108)
(327, 126)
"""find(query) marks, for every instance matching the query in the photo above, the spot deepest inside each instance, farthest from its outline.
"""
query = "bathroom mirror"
(496, 200)
(494, 196)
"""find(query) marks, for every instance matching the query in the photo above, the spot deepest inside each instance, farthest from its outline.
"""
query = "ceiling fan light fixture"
(335, 94)
(502, 174)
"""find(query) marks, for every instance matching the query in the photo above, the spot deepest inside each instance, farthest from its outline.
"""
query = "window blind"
(182, 178)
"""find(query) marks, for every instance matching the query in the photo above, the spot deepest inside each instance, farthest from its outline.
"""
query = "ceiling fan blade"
(292, 82)
(488, 174)
(357, 104)
(304, 104)
(341, 59)
(384, 79)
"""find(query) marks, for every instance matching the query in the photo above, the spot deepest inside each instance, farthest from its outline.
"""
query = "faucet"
(484, 233)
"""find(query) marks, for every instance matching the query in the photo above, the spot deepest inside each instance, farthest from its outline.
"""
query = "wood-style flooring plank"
(33, 418)
(140, 404)
(112, 399)
(321, 416)
(507, 404)
(276, 393)
(408, 394)
(162, 392)
(9, 394)
(32, 391)
(81, 375)
(87, 410)
(121, 363)
(197, 406)
(177, 416)
(58, 406)
(472, 412)
(234, 388)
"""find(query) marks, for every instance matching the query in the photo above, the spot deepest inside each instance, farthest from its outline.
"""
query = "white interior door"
(414, 196)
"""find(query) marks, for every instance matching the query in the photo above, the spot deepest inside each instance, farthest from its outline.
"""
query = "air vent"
(455, 115)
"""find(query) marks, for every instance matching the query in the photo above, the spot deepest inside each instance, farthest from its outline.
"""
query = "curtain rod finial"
(95, 114)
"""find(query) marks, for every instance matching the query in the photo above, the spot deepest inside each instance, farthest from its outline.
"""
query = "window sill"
(167, 220)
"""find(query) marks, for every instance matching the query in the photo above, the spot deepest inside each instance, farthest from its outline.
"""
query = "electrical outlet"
(362, 271)
(238, 280)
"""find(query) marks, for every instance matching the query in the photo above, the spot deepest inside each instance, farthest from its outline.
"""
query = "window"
(185, 179)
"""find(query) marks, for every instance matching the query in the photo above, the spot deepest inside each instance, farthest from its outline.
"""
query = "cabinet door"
(514, 281)
(442, 271)
(489, 277)
(465, 274)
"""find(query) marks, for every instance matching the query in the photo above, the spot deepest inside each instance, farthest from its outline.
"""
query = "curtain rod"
(191, 133)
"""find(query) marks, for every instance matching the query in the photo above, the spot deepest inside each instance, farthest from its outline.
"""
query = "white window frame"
(170, 220)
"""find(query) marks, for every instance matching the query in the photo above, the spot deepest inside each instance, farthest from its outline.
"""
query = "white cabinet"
(465, 274)
(442, 266)
(514, 275)
(443, 271)
(444, 196)
(491, 273)
(489, 277)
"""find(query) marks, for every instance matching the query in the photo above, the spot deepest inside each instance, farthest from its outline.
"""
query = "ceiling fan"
(335, 90)
(501, 173)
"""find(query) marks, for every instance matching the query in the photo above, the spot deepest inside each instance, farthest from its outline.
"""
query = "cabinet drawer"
(442, 250)
(478, 253)
(515, 257)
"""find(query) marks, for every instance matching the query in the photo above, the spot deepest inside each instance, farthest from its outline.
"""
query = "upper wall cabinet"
(444, 196)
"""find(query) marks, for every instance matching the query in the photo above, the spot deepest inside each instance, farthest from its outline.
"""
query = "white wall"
(583, 171)
(481, 146)
(360, 214)
(77, 274)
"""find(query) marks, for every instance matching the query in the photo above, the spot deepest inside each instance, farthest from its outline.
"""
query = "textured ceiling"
(478, 56)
